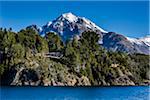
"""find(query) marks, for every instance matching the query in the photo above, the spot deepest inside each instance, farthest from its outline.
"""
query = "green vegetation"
(82, 57)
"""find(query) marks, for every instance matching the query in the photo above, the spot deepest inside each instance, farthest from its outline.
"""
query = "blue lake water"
(75, 93)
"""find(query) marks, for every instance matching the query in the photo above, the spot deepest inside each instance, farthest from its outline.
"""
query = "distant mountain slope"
(140, 41)
(67, 25)
(116, 42)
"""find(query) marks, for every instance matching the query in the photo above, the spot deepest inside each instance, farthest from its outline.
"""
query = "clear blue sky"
(125, 17)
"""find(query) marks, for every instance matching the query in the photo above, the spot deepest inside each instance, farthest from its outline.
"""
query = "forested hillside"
(26, 58)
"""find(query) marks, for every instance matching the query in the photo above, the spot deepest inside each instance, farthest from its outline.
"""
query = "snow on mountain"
(49, 23)
(70, 17)
(67, 24)
(89, 24)
(140, 41)
(146, 40)
(135, 41)
(117, 42)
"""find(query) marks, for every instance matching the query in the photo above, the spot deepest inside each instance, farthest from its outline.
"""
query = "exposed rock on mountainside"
(67, 25)
(116, 42)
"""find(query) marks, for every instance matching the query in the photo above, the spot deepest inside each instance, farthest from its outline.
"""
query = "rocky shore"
(28, 77)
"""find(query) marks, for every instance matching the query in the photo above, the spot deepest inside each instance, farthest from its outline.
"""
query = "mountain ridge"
(67, 25)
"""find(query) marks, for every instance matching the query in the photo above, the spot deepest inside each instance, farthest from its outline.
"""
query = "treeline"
(82, 56)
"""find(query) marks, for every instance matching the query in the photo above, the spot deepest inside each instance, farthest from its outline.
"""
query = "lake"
(75, 93)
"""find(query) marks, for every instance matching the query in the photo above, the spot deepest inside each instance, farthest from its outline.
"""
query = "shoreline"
(75, 86)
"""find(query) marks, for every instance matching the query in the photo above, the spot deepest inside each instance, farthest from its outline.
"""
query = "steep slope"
(67, 25)
(116, 42)
(140, 41)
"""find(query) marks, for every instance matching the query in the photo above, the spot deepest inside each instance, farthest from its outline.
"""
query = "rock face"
(83, 81)
(30, 77)
(26, 77)
(70, 81)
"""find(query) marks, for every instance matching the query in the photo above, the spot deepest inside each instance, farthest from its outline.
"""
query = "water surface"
(75, 93)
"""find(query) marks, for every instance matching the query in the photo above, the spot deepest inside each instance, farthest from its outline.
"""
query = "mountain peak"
(68, 14)
(70, 17)
(68, 24)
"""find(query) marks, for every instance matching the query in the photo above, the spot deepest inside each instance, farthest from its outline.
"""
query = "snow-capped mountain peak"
(68, 24)
(49, 23)
(70, 17)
